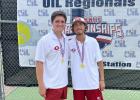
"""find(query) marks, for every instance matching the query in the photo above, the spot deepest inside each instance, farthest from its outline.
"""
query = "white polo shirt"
(85, 78)
(48, 51)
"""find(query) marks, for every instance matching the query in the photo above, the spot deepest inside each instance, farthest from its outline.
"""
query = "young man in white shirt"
(52, 59)
(86, 64)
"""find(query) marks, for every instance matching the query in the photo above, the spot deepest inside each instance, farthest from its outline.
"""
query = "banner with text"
(114, 23)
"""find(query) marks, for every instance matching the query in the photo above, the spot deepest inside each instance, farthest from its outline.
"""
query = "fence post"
(1, 76)
(0, 90)
(2, 94)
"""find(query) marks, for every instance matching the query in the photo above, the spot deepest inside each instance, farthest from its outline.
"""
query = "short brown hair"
(58, 13)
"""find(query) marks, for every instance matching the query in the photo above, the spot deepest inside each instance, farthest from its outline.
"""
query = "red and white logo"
(56, 48)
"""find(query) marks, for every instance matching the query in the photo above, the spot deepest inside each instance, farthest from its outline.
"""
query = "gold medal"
(82, 65)
(62, 60)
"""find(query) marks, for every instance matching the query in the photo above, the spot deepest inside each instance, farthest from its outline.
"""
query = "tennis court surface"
(31, 93)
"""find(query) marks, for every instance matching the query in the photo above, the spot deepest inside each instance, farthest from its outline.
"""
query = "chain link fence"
(14, 75)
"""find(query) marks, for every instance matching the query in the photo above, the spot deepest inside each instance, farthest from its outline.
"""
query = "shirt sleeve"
(40, 51)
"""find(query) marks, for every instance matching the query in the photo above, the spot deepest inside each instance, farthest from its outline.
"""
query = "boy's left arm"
(101, 75)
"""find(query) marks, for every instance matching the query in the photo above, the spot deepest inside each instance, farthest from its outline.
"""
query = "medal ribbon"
(80, 54)
(62, 50)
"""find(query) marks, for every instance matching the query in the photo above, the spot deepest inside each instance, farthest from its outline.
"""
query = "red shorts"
(56, 94)
(87, 94)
